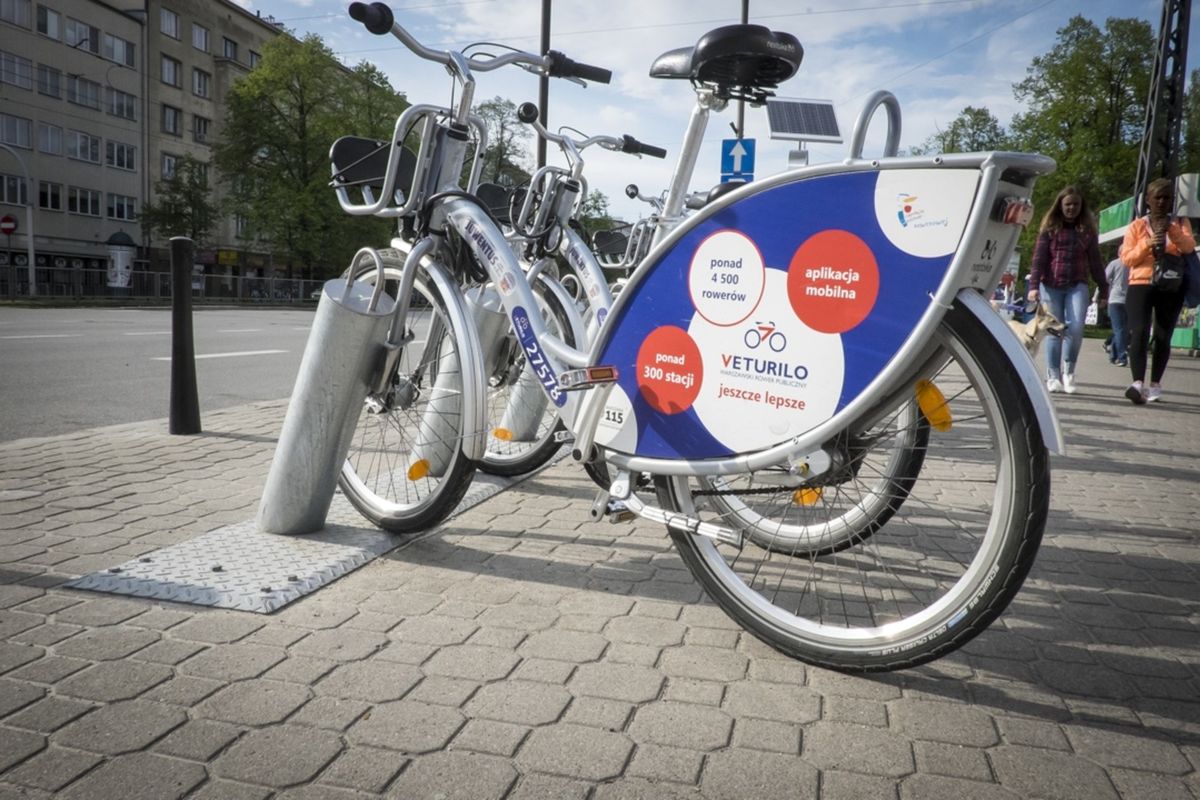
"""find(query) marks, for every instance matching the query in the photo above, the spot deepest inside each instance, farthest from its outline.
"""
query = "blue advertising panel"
(767, 318)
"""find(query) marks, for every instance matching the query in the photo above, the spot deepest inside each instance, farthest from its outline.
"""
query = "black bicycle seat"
(496, 198)
(359, 161)
(750, 56)
(610, 243)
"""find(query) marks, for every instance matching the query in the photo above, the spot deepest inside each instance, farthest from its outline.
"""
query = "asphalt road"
(64, 370)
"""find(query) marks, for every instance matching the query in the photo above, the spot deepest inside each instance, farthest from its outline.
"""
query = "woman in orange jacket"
(1153, 308)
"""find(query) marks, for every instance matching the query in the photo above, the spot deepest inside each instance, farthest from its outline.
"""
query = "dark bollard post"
(185, 402)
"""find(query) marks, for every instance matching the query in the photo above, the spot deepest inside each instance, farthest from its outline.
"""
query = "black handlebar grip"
(527, 112)
(652, 151)
(563, 67)
(376, 17)
(631, 191)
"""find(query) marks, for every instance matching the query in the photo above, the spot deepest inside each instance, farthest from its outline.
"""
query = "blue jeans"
(1120, 330)
(1069, 304)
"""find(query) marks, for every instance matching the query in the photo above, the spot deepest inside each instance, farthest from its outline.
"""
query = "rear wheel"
(406, 469)
(909, 548)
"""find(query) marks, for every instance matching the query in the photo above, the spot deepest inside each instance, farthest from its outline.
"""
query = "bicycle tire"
(937, 570)
(406, 469)
(511, 385)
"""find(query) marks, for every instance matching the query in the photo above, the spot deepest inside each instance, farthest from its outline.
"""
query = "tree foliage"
(183, 204)
(594, 215)
(973, 130)
(274, 150)
(505, 157)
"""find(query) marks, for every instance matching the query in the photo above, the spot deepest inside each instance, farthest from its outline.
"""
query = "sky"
(937, 57)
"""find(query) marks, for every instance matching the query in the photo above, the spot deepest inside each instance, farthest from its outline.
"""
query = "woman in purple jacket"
(1068, 250)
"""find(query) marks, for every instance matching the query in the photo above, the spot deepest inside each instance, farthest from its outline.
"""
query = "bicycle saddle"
(609, 243)
(734, 57)
(496, 198)
(359, 161)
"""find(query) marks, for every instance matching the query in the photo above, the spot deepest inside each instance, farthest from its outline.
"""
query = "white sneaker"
(1054, 385)
(1068, 382)
(1153, 394)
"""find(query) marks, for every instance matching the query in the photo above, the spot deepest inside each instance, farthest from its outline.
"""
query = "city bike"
(868, 496)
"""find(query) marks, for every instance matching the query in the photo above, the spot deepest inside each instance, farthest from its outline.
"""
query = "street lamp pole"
(29, 189)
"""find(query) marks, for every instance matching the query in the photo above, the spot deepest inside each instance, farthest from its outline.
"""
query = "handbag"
(1168, 272)
(1191, 279)
(1092, 315)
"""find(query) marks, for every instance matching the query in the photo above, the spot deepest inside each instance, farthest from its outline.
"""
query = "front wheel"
(862, 577)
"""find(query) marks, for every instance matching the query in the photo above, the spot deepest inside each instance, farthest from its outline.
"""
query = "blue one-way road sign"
(737, 159)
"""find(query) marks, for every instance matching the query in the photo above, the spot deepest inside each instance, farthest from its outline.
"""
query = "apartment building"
(98, 102)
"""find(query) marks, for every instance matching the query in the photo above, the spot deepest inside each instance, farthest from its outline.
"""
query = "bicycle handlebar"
(379, 20)
(632, 145)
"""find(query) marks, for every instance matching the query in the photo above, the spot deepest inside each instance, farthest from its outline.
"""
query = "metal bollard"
(344, 351)
(185, 402)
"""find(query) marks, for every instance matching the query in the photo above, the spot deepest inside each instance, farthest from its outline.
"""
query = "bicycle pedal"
(618, 512)
(573, 380)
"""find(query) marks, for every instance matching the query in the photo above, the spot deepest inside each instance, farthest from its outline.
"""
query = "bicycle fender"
(1019, 357)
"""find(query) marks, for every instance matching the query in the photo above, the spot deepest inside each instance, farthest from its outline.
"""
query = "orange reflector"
(933, 405)
(806, 496)
(418, 470)
(503, 434)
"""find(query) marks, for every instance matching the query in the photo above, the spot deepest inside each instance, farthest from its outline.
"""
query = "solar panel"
(807, 120)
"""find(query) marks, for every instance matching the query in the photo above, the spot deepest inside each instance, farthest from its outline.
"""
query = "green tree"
(973, 130)
(183, 204)
(505, 156)
(1189, 150)
(274, 150)
(594, 216)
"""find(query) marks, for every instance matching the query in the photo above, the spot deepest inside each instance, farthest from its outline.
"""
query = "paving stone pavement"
(525, 652)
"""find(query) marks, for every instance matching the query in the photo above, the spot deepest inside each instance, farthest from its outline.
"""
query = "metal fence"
(92, 284)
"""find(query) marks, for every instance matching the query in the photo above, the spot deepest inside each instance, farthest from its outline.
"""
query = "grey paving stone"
(683, 725)
(1053, 775)
(1130, 748)
(775, 701)
(855, 710)
(519, 702)
(852, 786)
(168, 651)
(645, 630)
(689, 690)
(16, 746)
(471, 663)
(334, 713)
(183, 690)
(704, 663)
(17, 694)
(46, 635)
(258, 702)
(316, 614)
(453, 692)
(643, 789)
(952, 760)
(490, 736)
(1138, 785)
(198, 740)
(875, 751)
(49, 714)
(107, 644)
(937, 787)
(564, 645)
(110, 681)
(373, 681)
(1033, 733)
(575, 751)
(434, 630)
(366, 769)
(233, 662)
(279, 756)
(837, 683)
(749, 773)
(611, 715)
(544, 670)
(657, 763)
(407, 726)
(339, 645)
(101, 611)
(52, 769)
(13, 655)
(121, 727)
(943, 722)
(455, 775)
(138, 776)
(230, 790)
(627, 682)
(537, 786)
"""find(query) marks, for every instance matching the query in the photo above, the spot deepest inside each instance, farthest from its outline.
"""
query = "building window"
(50, 195)
(49, 81)
(13, 190)
(169, 23)
(49, 23)
(50, 139)
(171, 118)
(200, 37)
(16, 70)
(83, 92)
(200, 128)
(83, 201)
(170, 71)
(122, 104)
(118, 50)
(15, 11)
(170, 162)
(229, 48)
(16, 131)
(83, 146)
(200, 82)
(82, 36)
(254, 59)
(122, 207)
(121, 156)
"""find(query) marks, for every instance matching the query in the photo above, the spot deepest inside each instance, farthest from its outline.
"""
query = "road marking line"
(227, 355)
(43, 336)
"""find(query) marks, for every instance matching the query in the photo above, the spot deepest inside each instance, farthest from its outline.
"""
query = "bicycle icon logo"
(765, 333)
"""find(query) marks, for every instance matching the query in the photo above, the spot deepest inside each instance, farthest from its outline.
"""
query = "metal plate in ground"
(240, 567)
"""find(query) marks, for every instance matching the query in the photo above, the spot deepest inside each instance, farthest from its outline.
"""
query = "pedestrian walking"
(1118, 342)
(1153, 247)
(1067, 252)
